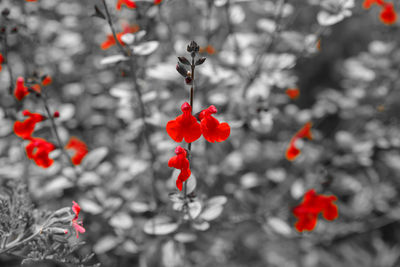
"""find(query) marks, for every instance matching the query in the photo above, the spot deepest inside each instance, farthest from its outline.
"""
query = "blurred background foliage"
(245, 188)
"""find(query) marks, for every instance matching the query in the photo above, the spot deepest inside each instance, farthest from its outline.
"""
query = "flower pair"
(38, 149)
(307, 212)
(292, 151)
(187, 127)
(388, 15)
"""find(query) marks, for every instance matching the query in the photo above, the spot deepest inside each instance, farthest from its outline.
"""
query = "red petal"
(174, 131)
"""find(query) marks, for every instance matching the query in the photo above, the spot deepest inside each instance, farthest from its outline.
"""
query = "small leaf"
(201, 226)
(160, 226)
(182, 70)
(191, 184)
(121, 220)
(184, 60)
(105, 244)
(212, 212)
(175, 197)
(98, 13)
(128, 38)
(185, 237)
(146, 48)
(112, 59)
(194, 209)
(94, 157)
(200, 61)
(279, 226)
(90, 206)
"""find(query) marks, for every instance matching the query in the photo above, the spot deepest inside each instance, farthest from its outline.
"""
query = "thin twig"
(127, 52)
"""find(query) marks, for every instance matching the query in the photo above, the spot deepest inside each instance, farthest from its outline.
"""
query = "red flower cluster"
(110, 38)
(128, 3)
(24, 129)
(292, 151)
(38, 150)
(186, 127)
(313, 204)
(157, 2)
(75, 223)
(388, 15)
(180, 162)
(292, 93)
(80, 150)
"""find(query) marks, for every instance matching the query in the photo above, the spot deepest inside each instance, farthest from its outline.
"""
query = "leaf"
(160, 226)
(191, 184)
(201, 226)
(113, 59)
(279, 226)
(94, 157)
(212, 212)
(217, 200)
(128, 38)
(146, 48)
(175, 197)
(121, 220)
(98, 13)
(105, 244)
(90, 206)
(170, 255)
(185, 237)
(194, 209)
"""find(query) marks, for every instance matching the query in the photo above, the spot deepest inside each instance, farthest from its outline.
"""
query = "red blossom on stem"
(80, 149)
(307, 212)
(20, 90)
(157, 2)
(212, 129)
(368, 3)
(110, 38)
(128, 3)
(38, 149)
(24, 129)
(388, 15)
(78, 226)
(292, 93)
(180, 162)
(47, 80)
(292, 151)
(184, 126)
(1, 60)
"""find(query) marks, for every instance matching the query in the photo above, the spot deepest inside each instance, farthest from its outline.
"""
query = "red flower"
(75, 223)
(305, 131)
(80, 149)
(38, 149)
(184, 126)
(293, 93)
(209, 49)
(47, 80)
(292, 151)
(24, 129)
(368, 3)
(20, 90)
(110, 38)
(307, 212)
(180, 162)
(388, 14)
(128, 3)
(157, 2)
(212, 129)
(1, 60)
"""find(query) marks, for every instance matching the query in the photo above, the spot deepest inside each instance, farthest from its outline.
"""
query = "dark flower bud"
(184, 60)
(200, 61)
(14, 30)
(181, 69)
(5, 12)
(188, 80)
(193, 47)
